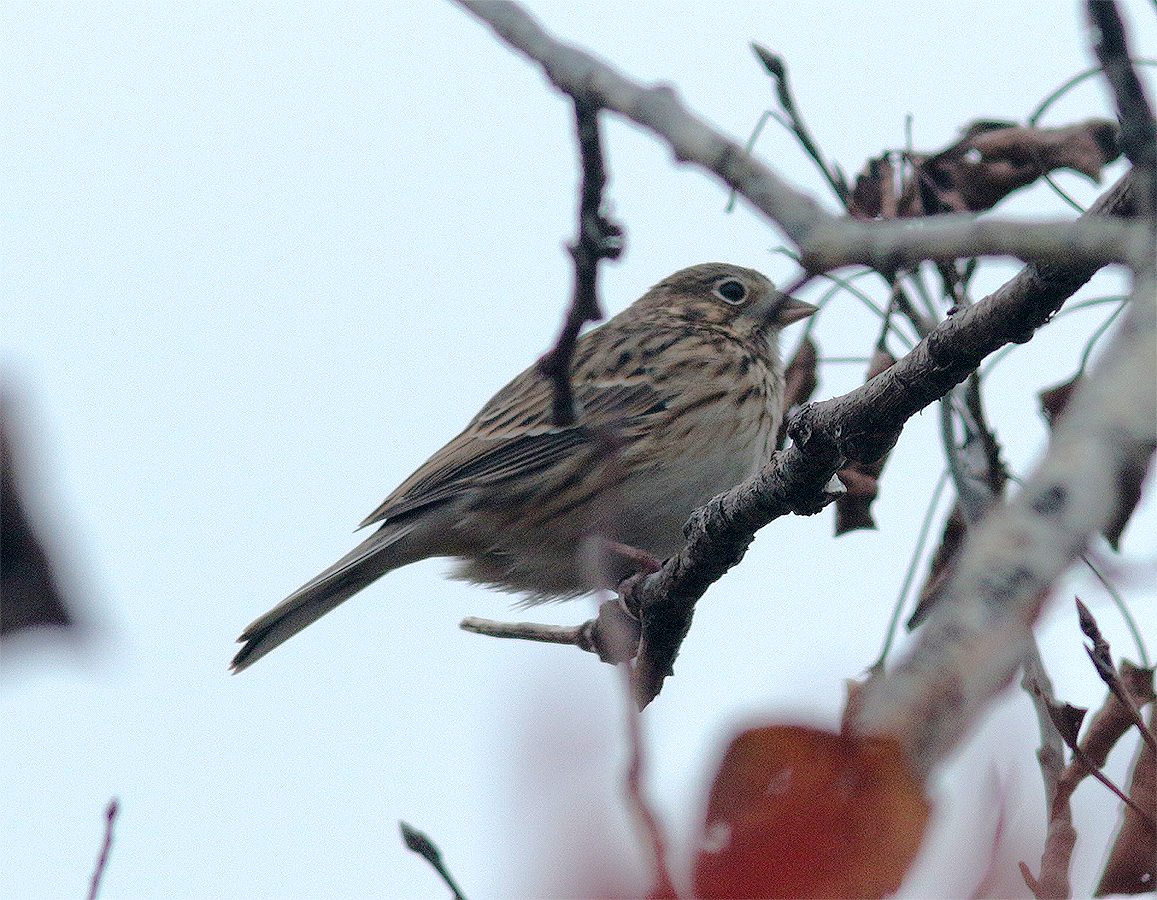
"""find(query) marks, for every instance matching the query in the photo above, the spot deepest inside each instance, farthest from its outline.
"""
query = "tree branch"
(860, 425)
(865, 423)
(598, 238)
(825, 241)
(978, 634)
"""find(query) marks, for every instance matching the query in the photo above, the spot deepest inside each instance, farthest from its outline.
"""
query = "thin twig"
(776, 67)
(1061, 836)
(110, 815)
(917, 552)
(598, 238)
(419, 842)
(634, 778)
(1122, 608)
(523, 631)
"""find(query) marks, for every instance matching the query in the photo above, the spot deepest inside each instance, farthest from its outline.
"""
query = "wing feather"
(491, 451)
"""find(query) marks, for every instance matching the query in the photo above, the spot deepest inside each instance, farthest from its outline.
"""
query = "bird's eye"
(731, 291)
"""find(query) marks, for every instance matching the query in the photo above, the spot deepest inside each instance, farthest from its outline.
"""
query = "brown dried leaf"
(799, 812)
(1068, 719)
(987, 163)
(800, 380)
(1054, 400)
(875, 192)
(1132, 864)
(854, 507)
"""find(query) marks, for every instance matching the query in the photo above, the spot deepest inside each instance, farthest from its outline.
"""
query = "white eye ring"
(730, 290)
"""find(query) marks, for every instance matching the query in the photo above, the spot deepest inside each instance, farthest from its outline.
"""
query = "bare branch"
(890, 245)
(419, 842)
(860, 425)
(825, 241)
(598, 239)
(110, 815)
(1061, 837)
(1015, 554)
(865, 423)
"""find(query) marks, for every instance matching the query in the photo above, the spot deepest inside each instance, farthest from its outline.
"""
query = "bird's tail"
(368, 561)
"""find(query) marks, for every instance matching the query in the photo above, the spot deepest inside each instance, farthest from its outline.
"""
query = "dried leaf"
(988, 162)
(798, 812)
(1132, 864)
(800, 380)
(854, 508)
(1129, 491)
(942, 565)
(1054, 400)
(1068, 719)
(875, 192)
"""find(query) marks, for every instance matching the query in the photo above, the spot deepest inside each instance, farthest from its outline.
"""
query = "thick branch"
(977, 636)
(860, 425)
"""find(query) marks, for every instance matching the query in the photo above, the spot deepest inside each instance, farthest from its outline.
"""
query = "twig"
(419, 842)
(110, 815)
(825, 241)
(598, 238)
(523, 631)
(1102, 660)
(1138, 129)
(778, 70)
(613, 634)
(1061, 836)
(645, 816)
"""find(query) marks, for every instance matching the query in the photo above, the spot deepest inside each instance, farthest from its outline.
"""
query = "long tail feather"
(367, 562)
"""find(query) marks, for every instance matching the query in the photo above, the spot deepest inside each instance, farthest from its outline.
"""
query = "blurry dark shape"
(987, 163)
(29, 595)
(799, 812)
(942, 565)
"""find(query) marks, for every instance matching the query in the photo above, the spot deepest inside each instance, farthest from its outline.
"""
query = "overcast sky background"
(260, 261)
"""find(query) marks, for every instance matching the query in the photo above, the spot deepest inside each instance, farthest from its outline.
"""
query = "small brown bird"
(679, 398)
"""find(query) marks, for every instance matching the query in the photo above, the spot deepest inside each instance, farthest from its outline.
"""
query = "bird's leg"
(636, 560)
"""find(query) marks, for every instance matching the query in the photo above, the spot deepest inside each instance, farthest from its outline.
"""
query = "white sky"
(260, 261)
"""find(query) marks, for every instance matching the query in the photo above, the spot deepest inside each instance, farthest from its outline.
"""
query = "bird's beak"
(790, 310)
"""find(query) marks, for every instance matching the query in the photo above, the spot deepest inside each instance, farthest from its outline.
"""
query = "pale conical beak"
(791, 310)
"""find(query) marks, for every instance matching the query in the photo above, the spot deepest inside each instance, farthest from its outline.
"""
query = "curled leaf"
(988, 162)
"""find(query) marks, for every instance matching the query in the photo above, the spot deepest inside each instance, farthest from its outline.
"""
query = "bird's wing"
(513, 436)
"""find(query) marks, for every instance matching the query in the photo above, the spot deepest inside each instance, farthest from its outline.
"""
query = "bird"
(678, 398)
